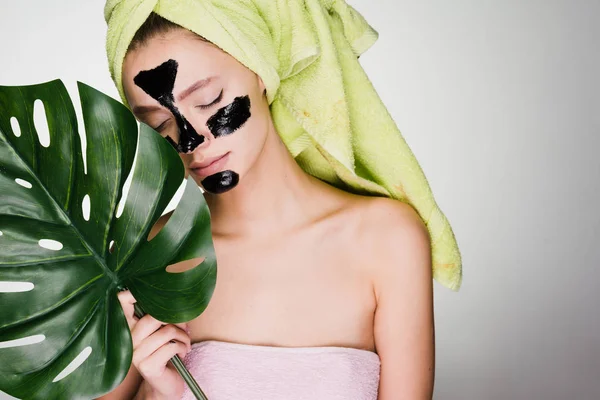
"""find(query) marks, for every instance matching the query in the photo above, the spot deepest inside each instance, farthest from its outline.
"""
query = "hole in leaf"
(176, 198)
(127, 185)
(14, 287)
(183, 266)
(50, 244)
(16, 128)
(111, 246)
(121, 205)
(22, 341)
(0, 233)
(41, 123)
(23, 183)
(73, 365)
(6, 396)
(74, 93)
(85, 207)
(162, 221)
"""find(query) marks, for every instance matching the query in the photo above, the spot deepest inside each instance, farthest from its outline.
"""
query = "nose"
(200, 141)
(189, 143)
(189, 138)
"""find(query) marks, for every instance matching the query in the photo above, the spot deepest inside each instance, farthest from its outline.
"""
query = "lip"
(209, 166)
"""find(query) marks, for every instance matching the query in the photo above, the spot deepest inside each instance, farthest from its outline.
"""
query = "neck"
(273, 197)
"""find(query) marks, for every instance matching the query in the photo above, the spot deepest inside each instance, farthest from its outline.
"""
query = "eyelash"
(161, 126)
(214, 102)
(218, 99)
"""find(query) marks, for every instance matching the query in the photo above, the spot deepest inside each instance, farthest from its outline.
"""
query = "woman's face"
(209, 106)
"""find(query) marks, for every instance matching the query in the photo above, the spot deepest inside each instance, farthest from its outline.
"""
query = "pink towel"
(232, 371)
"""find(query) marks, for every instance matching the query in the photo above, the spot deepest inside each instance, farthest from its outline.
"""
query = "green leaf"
(73, 305)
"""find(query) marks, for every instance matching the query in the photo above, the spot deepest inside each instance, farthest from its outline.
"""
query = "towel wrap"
(227, 371)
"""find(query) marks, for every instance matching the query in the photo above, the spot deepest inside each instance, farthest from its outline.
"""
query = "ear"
(261, 85)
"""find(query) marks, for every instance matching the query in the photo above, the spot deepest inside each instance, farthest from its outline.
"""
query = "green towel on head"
(323, 104)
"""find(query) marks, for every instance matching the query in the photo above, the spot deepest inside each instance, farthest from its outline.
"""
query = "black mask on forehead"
(159, 83)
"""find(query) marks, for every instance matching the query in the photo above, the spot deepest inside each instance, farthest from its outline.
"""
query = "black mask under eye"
(230, 118)
(158, 83)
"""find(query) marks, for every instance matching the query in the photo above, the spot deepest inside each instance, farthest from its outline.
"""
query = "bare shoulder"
(394, 242)
(384, 221)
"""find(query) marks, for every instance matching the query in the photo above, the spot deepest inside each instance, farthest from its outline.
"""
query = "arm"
(404, 324)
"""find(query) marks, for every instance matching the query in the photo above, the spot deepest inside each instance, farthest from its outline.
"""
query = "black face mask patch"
(221, 181)
(230, 118)
(158, 83)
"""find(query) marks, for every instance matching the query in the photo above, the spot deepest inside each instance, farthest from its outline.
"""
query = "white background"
(499, 100)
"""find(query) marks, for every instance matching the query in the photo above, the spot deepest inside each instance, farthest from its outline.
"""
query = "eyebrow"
(196, 86)
(145, 109)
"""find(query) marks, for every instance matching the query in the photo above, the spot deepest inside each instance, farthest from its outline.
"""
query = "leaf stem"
(178, 364)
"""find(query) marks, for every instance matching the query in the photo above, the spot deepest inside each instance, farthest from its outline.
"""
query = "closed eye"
(215, 101)
(161, 126)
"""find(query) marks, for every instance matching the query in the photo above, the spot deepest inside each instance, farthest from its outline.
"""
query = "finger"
(184, 326)
(158, 339)
(126, 297)
(127, 301)
(146, 326)
(154, 365)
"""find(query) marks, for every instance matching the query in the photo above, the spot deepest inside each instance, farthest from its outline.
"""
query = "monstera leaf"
(63, 334)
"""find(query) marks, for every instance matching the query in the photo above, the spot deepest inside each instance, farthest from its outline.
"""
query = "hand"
(154, 344)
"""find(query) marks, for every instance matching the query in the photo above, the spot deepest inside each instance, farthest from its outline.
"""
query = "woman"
(320, 293)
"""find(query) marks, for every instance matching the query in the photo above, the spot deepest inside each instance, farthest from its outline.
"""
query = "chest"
(304, 291)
